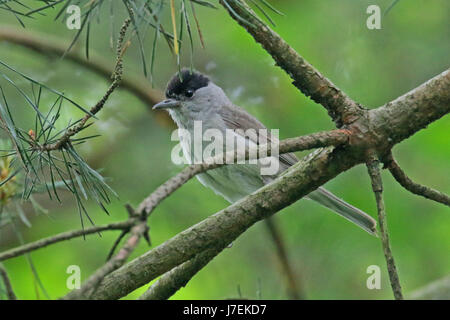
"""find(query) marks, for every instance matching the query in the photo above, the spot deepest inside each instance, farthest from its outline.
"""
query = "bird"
(192, 98)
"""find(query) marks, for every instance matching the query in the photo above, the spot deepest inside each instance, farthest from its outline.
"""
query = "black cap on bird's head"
(182, 85)
(184, 82)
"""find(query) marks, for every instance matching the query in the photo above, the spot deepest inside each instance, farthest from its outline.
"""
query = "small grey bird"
(192, 96)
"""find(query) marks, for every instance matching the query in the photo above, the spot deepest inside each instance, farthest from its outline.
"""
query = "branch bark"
(414, 110)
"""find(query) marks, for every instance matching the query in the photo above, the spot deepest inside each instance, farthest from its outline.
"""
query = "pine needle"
(174, 25)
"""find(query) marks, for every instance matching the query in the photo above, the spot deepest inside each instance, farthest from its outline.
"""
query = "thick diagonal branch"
(172, 281)
(341, 108)
(411, 186)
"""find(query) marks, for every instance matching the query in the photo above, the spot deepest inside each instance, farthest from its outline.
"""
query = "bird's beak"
(167, 104)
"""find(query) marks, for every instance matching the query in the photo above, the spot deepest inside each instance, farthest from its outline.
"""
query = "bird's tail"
(349, 212)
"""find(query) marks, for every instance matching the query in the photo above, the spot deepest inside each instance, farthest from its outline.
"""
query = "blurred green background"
(329, 255)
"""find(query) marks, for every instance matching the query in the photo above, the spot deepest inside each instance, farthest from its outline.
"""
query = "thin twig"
(9, 290)
(408, 184)
(15, 252)
(377, 187)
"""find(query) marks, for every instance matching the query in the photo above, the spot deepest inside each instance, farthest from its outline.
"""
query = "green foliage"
(330, 256)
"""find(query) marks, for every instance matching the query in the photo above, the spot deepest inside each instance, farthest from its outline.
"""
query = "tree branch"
(411, 186)
(342, 109)
(377, 187)
(46, 45)
(376, 130)
(320, 139)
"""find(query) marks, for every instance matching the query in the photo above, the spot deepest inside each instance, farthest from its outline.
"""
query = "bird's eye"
(189, 93)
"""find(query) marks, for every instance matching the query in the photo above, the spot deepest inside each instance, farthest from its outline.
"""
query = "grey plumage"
(195, 97)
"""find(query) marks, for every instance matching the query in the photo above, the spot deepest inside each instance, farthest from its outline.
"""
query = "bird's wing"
(230, 115)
